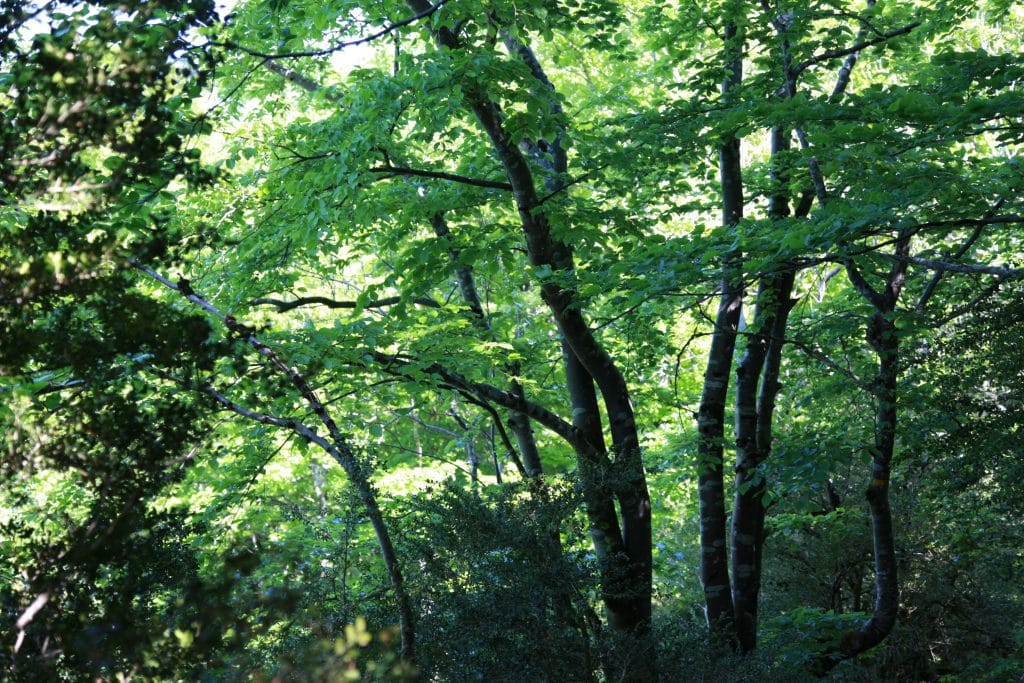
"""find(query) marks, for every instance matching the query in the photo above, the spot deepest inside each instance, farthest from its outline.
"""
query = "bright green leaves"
(373, 189)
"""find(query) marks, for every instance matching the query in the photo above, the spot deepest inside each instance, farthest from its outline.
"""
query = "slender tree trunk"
(759, 366)
(883, 337)
(595, 469)
(754, 410)
(710, 453)
(711, 414)
(748, 508)
(406, 620)
(624, 612)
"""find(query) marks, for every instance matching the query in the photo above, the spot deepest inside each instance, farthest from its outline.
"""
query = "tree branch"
(968, 243)
(970, 305)
(968, 222)
(817, 355)
(950, 267)
(501, 432)
(441, 175)
(862, 285)
(283, 306)
(338, 46)
(846, 70)
(338, 447)
(394, 364)
(299, 428)
(929, 290)
(857, 47)
(298, 79)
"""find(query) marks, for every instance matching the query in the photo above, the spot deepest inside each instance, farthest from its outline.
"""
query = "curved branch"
(393, 364)
(303, 430)
(970, 305)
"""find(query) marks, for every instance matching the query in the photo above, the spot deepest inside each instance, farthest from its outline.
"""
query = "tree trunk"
(711, 414)
(883, 337)
(754, 411)
(630, 603)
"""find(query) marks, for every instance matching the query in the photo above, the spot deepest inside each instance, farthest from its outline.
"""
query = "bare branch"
(182, 288)
(512, 453)
(822, 358)
(823, 283)
(299, 428)
(968, 222)
(338, 446)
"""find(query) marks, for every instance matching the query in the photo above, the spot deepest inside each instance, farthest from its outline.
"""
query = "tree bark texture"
(754, 410)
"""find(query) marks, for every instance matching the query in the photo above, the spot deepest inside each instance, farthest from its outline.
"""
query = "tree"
(760, 362)
(81, 122)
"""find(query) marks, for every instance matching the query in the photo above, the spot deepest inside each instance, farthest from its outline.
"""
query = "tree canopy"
(511, 341)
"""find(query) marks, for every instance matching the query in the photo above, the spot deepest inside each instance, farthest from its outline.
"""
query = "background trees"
(478, 268)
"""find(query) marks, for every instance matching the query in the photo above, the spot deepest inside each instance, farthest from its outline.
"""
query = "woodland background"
(511, 341)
